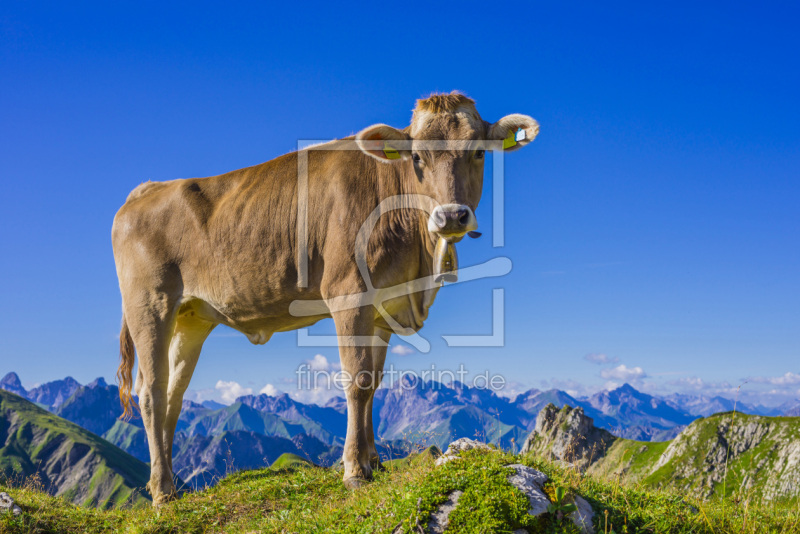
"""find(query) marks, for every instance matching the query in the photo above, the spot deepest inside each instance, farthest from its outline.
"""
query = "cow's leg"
(357, 362)
(378, 359)
(184, 351)
(150, 319)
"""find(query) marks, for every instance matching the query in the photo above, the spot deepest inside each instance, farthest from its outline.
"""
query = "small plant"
(560, 508)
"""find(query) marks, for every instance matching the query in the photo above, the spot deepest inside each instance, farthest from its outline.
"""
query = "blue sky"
(654, 221)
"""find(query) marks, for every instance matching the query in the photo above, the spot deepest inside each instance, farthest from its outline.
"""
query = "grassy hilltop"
(294, 496)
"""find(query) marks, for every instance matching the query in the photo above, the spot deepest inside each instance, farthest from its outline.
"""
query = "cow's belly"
(257, 327)
(406, 315)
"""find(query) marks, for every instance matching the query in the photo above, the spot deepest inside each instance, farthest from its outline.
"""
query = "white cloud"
(318, 395)
(270, 390)
(695, 383)
(321, 363)
(689, 382)
(600, 359)
(789, 379)
(402, 350)
(230, 391)
(624, 373)
(200, 395)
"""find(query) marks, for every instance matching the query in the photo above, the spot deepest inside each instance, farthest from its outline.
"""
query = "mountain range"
(213, 439)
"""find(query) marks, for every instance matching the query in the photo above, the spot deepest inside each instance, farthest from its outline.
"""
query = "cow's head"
(452, 177)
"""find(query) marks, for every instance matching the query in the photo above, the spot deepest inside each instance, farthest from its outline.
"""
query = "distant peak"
(11, 379)
(627, 388)
(98, 382)
(11, 383)
(212, 405)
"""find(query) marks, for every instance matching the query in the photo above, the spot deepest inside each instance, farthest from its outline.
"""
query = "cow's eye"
(479, 154)
(415, 157)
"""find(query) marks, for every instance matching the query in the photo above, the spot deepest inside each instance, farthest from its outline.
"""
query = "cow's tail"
(127, 355)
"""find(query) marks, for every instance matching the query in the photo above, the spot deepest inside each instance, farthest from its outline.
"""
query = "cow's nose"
(452, 220)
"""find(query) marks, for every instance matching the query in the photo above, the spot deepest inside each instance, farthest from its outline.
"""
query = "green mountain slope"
(740, 455)
(70, 461)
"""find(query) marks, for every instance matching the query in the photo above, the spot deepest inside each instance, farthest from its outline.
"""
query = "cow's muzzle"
(452, 220)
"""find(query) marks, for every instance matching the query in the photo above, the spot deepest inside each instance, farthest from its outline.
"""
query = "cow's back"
(231, 240)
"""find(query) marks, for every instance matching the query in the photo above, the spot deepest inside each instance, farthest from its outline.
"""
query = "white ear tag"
(520, 136)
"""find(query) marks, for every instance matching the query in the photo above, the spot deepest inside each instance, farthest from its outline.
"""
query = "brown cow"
(195, 253)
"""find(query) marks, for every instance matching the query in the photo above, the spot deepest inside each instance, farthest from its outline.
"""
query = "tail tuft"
(127, 355)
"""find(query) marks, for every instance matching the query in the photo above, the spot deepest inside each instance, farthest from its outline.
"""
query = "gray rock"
(582, 517)
(458, 446)
(537, 477)
(529, 481)
(7, 504)
(568, 435)
(440, 518)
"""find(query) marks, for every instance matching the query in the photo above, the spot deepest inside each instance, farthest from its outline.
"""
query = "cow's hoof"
(376, 464)
(164, 498)
(353, 483)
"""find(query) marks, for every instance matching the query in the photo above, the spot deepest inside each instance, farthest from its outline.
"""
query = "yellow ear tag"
(390, 152)
(509, 141)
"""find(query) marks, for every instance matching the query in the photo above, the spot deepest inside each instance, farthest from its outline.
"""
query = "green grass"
(629, 460)
(299, 497)
(425, 455)
(287, 459)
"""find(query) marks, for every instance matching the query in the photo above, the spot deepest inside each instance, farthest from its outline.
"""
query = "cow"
(195, 253)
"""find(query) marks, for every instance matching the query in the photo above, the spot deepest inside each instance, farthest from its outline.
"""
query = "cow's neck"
(394, 180)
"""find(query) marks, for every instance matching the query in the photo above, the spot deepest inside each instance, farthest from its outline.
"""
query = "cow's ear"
(515, 131)
(383, 143)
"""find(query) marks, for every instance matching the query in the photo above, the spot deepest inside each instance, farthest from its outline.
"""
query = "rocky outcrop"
(567, 435)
